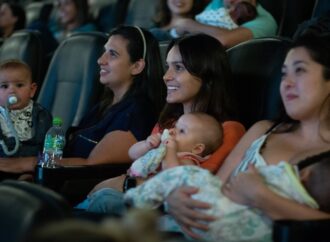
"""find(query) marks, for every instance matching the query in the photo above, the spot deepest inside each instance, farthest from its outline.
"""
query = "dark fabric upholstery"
(256, 66)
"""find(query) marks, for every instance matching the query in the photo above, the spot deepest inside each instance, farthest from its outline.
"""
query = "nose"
(101, 59)
(288, 81)
(168, 75)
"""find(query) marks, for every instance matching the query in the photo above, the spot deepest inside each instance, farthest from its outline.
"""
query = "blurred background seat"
(26, 46)
(301, 231)
(140, 13)
(26, 206)
(256, 65)
(71, 86)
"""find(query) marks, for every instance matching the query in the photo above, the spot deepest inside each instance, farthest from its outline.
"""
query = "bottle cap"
(57, 121)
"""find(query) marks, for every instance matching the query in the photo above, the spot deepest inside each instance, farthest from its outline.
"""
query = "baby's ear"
(198, 149)
(34, 87)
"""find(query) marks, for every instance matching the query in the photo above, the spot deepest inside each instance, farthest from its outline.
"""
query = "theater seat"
(71, 85)
(140, 13)
(26, 206)
(26, 46)
(301, 231)
(256, 66)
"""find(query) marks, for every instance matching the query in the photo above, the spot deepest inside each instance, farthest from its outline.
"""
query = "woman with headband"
(131, 72)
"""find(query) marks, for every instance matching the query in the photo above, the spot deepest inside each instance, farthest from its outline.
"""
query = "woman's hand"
(245, 188)
(185, 210)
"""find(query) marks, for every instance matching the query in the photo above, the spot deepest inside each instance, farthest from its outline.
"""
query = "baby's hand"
(153, 141)
(171, 143)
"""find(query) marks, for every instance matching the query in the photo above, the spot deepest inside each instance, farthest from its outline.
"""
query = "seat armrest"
(75, 182)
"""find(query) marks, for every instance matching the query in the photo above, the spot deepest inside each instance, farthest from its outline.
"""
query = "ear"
(138, 67)
(33, 87)
(198, 149)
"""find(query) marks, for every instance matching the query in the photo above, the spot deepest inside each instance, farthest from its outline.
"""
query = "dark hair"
(318, 47)
(83, 15)
(19, 12)
(150, 81)
(318, 184)
(163, 14)
(248, 11)
(205, 58)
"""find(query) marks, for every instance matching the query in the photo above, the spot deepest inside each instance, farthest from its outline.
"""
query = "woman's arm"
(227, 37)
(113, 148)
(18, 165)
(249, 188)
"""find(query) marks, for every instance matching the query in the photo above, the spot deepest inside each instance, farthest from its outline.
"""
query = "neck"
(72, 25)
(119, 92)
(187, 108)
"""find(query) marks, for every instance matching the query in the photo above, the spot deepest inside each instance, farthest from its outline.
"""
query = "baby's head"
(315, 178)
(16, 80)
(242, 12)
(198, 133)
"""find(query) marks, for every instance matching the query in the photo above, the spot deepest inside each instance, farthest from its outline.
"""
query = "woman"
(303, 130)
(169, 12)
(72, 16)
(12, 18)
(130, 70)
(191, 86)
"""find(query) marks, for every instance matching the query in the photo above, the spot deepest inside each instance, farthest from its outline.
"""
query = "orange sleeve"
(156, 129)
(232, 132)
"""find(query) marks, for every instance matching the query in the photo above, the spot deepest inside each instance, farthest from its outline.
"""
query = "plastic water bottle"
(53, 145)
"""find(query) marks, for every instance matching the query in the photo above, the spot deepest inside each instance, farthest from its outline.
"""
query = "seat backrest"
(105, 14)
(34, 9)
(140, 13)
(25, 206)
(321, 7)
(256, 66)
(301, 231)
(26, 46)
(296, 11)
(277, 10)
(71, 85)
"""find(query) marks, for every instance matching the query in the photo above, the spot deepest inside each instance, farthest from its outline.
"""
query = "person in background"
(229, 18)
(302, 131)
(263, 25)
(12, 18)
(30, 120)
(72, 16)
(168, 12)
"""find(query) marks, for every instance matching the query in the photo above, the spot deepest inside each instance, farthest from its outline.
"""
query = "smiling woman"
(72, 16)
(131, 71)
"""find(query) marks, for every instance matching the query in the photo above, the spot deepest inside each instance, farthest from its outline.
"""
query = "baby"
(238, 222)
(194, 138)
(228, 18)
(23, 122)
